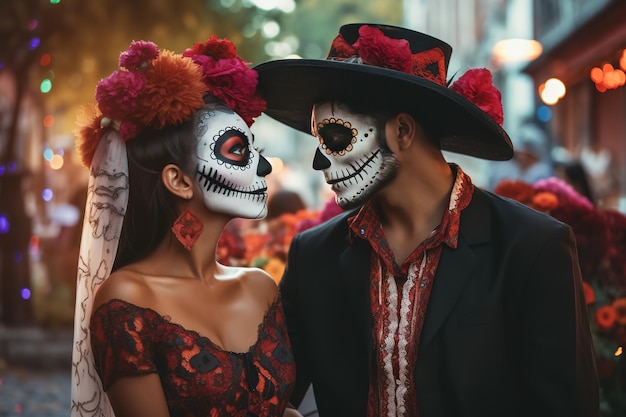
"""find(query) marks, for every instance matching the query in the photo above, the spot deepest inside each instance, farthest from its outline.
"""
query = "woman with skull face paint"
(429, 297)
(161, 327)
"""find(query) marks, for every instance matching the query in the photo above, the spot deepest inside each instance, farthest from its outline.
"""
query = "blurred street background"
(560, 65)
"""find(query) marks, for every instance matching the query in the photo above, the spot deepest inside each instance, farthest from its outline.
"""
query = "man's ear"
(404, 129)
(177, 182)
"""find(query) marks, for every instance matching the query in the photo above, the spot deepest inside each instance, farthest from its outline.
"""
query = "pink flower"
(117, 94)
(476, 85)
(377, 49)
(129, 129)
(137, 53)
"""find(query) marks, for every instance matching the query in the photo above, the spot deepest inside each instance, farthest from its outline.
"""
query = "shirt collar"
(366, 221)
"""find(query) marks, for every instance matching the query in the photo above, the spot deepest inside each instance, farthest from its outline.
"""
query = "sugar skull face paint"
(229, 169)
(349, 153)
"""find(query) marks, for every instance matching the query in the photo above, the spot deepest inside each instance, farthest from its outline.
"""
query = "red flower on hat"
(477, 86)
(377, 49)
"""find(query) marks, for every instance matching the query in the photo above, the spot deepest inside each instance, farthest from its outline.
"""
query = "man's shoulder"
(514, 214)
(331, 229)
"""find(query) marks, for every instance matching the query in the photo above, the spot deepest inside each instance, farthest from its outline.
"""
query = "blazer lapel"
(355, 272)
(456, 265)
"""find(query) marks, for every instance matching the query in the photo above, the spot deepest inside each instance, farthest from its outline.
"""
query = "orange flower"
(545, 201)
(590, 296)
(515, 189)
(88, 132)
(619, 306)
(275, 267)
(172, 92)
(605, 318)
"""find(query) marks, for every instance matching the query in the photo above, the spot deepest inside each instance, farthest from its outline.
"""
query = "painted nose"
(264, 167)
(320, 161)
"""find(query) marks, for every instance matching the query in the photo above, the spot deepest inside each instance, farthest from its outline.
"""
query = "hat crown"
(394, 48)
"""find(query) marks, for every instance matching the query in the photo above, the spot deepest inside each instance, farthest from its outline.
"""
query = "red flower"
(213, 47)
(476, 85)
(377, 49)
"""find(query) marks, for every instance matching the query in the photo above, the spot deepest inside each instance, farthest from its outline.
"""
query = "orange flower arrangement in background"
(266, 245)
(601, 243)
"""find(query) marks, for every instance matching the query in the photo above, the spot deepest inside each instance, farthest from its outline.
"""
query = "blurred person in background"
(160, 325)
(531, 160)
(428, 296)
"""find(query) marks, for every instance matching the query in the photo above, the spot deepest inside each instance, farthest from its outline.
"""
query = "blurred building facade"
(473, 28)
(584, 45)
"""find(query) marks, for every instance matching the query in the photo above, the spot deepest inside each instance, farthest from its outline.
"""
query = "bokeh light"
(48, 121)
(45, 60)
(25, 293)
(56, 162)
(18, 257)
(45, 86)
(47, 194)
(544, 113)
(5, 226)
(48, 154)
(552, 91)
(34, 43)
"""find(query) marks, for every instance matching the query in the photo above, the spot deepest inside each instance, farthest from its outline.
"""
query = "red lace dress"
(198, 377)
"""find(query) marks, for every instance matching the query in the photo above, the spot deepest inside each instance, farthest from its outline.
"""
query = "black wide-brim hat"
(292, 86)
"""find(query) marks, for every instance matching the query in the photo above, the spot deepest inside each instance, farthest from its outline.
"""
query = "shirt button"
(362, 231)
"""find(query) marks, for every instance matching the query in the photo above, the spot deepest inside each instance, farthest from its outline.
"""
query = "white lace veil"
(107, 198)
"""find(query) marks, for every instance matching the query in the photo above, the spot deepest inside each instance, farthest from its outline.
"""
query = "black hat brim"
(292, 86)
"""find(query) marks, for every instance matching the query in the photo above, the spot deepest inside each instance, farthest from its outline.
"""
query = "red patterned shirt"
(399, 296)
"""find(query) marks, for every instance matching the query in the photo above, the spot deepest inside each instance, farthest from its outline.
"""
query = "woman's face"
(230, 171)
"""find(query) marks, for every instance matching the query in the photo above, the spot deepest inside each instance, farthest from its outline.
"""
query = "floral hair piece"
(375, 48)
(159, 88)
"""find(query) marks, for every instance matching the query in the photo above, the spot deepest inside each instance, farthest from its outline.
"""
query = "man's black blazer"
(506, 332)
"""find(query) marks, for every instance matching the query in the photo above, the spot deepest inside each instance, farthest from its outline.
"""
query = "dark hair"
(151, 207)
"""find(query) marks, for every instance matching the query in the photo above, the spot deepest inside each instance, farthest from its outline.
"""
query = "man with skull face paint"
(428, 296)
(162, 327)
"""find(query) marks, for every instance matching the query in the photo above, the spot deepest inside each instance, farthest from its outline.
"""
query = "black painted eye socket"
(336, 137)
(232, 147)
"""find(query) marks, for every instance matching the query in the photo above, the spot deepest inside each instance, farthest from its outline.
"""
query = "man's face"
(230, 171)
(349, 153)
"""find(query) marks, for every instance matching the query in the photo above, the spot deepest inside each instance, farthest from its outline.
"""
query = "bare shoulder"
(261, 284)
(125, 285)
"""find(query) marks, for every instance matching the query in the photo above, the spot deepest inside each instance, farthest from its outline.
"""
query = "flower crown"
(375, 48)
(158, 89)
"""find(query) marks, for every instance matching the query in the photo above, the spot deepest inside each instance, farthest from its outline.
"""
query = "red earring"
(187, 228)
